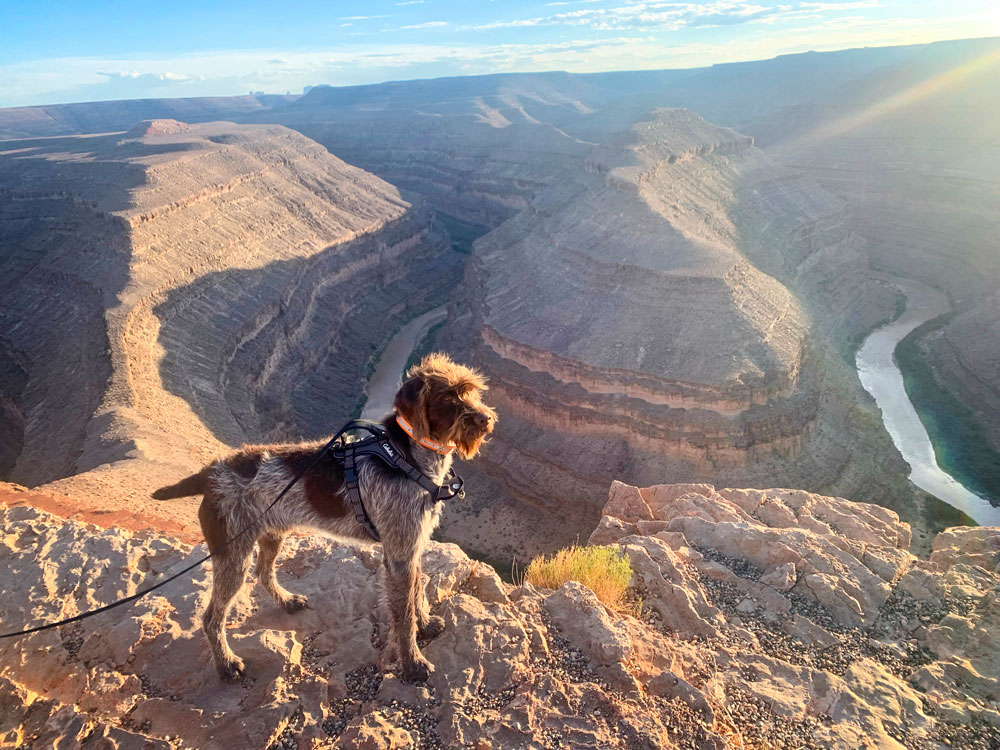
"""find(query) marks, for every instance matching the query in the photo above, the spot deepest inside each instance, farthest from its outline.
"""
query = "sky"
(54, 51)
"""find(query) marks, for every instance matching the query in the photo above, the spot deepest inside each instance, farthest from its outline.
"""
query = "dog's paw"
(432, 628)
(295, 603)
(417, 670)
(232, 670)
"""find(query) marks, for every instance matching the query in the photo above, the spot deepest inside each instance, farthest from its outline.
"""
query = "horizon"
(189, 51)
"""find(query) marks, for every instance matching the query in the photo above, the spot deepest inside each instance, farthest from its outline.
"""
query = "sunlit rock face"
(179, 288)
(629, 330)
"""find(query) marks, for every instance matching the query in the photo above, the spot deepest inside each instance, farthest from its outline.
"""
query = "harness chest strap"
(378, 444)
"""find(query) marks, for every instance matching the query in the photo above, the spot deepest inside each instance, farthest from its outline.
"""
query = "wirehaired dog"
(437, 411)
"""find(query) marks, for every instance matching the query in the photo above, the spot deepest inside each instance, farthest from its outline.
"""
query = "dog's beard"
(468, 439)
(468, 447)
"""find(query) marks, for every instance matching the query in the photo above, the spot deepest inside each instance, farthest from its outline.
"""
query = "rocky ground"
(769, 619)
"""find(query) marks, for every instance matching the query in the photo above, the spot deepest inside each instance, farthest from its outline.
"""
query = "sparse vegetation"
(939, 515)
(604, 570)
(960, 444)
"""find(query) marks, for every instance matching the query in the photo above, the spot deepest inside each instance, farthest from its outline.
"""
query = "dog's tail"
(196, 484)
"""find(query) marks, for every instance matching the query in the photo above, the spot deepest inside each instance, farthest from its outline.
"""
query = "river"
(882, 379)
(386, 379)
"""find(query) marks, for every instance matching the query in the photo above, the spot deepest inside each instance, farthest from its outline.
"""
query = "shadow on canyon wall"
(64, 260)
(283, 352)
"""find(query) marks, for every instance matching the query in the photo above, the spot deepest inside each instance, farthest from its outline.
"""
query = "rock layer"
(629, 330)
(202, 285)
(965, 357)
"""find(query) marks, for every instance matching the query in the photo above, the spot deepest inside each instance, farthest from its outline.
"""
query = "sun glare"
(925, 89)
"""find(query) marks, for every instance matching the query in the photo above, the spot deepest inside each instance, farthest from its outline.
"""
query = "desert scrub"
(604, 570)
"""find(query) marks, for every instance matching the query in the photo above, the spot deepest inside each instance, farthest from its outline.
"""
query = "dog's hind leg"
(270, 546)
(229, 571)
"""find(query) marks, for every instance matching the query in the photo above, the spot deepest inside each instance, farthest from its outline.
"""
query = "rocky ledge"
(769, 618)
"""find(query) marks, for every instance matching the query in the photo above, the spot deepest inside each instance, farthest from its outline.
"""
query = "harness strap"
(352, 483)
(379, 444)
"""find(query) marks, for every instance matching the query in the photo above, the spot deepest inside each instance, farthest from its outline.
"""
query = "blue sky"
(59, 51)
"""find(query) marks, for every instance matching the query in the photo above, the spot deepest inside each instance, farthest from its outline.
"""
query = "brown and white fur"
(442, 401)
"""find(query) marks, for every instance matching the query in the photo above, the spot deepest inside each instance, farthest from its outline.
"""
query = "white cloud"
(135, 75)
(669, 15)
(352, 61)
(426, 25)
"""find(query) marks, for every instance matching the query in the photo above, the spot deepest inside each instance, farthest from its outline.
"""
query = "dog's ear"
(411, 404)
(467, 382)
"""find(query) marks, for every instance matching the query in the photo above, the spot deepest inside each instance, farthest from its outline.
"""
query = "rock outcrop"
(180, 288)
(629, 330)
(769, 618)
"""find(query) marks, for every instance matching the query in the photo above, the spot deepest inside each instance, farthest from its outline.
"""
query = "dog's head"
(442, 400)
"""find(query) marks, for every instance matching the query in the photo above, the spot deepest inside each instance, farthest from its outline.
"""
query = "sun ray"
(885, 107)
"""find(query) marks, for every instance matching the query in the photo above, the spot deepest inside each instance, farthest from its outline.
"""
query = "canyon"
(652, 294)
(665, 275)
(629, 330)
(177, 289)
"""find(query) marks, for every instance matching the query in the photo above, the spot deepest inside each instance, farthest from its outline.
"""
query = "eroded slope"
(629, 329)
(178, 288)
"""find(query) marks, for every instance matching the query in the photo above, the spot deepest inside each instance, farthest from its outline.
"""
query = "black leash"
(192, 566)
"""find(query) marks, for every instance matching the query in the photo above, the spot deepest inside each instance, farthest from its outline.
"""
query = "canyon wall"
(477, 149)
(113, 116)
(965, 358)
(629, 330)
(914, 150)
(177, 289)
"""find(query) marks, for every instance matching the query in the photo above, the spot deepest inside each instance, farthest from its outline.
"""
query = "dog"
(437, 412)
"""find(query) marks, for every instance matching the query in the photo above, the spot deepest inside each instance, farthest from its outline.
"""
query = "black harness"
(379, 444)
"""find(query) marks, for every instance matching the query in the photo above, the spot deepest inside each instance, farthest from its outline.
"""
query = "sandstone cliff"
(633, 325)
(111, 116)
(176, 289)
(771, 618)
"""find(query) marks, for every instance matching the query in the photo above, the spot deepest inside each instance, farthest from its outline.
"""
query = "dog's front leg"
(428, 625)
(403, 613)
